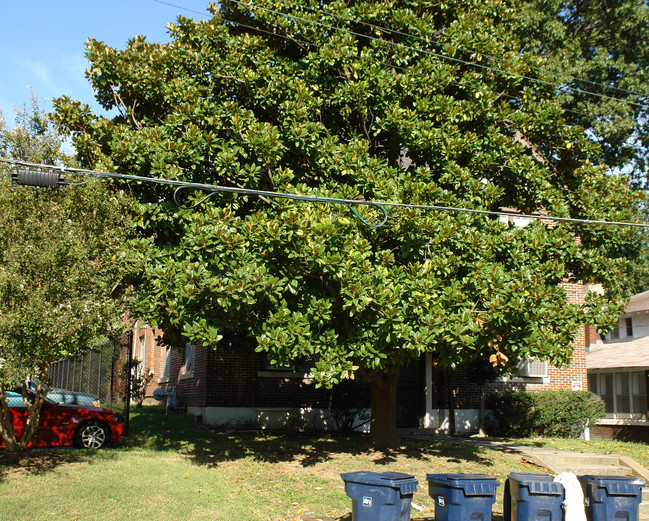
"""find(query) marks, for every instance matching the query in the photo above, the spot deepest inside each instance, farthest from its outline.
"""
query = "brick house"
(618, 371)
(235, 387)
(231, 386)
(532, 376)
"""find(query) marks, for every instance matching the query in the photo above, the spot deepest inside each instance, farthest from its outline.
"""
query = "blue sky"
(42, 42)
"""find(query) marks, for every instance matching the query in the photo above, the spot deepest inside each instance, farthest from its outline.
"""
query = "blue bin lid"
(541, 484)
(406, 483)
(471, 484)
(615, 485)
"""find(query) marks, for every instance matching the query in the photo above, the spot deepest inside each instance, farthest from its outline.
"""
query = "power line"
(312, 44)
(189, 10)
(463, 49)
(348, 203)
(441, 56)
(408, 47)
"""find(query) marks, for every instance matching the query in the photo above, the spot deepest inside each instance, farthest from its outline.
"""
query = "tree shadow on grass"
(152, 428)
(38, 461)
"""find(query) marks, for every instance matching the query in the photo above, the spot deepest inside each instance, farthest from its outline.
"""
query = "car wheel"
(92, 435)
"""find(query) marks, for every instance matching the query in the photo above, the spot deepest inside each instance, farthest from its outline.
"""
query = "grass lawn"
(171, 468)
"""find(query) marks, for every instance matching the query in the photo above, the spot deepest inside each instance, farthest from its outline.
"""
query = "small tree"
(483, 372)
(59, 258)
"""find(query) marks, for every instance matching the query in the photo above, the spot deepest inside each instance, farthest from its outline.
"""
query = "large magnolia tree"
(414, 103)
(59, 259)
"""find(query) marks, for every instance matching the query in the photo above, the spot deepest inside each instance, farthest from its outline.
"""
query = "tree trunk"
(481, 417)
(14, 446)
(383, 426)
(6, 427)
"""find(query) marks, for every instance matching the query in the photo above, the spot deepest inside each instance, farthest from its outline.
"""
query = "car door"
(56, 425)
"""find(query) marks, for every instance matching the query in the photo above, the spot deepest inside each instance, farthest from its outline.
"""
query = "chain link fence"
(99, 372)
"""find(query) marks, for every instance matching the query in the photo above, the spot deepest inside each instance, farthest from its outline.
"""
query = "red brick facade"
(636, 433)
(232, 377)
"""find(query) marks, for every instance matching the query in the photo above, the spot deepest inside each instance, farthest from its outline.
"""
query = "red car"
(63, 425)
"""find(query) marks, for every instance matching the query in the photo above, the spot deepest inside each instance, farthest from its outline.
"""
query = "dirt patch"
(36, 461)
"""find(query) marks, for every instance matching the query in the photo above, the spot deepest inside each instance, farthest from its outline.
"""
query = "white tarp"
(573, 503)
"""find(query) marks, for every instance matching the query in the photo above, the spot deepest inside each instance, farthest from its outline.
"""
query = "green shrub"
(512, 413)
(544, 413)
(566, 414)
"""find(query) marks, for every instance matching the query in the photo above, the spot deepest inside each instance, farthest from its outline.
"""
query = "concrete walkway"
(588, 463)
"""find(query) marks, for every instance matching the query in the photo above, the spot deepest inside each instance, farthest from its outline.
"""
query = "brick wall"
(637, 433)
(233, 377)
(147, 349)
(467, 391)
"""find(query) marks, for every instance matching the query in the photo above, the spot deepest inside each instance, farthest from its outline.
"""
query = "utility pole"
(129, 358)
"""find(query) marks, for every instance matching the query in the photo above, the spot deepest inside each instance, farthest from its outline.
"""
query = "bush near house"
(562, 414)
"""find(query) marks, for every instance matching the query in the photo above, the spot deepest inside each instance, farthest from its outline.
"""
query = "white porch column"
(428, 391)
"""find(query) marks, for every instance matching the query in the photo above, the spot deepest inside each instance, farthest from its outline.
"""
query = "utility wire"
(313, 44)
(349, 203)
(188, 9)
(463, 49)
(439, 55)
(473, 64)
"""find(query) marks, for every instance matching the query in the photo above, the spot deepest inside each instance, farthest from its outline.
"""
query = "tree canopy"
(598, 52)
(59, 259)
(414, 103)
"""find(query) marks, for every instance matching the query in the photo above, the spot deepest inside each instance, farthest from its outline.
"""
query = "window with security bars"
(624, 393)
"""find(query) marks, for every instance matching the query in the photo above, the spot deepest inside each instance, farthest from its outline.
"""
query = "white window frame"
(141, 352)
(628, 323)
(301, 370)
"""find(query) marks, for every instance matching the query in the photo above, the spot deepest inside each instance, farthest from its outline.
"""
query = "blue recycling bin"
(532, 497)
(380, 496)
(462, 496)
(611, 497)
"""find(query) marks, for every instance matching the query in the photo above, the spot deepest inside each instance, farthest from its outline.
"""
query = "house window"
(166, 365)
(638, 395)
(624, 394)
(615, 332)
(592, 383)
(605, 391)
(629, 327)
(190, 358)
(141, 353)
(300, 369)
